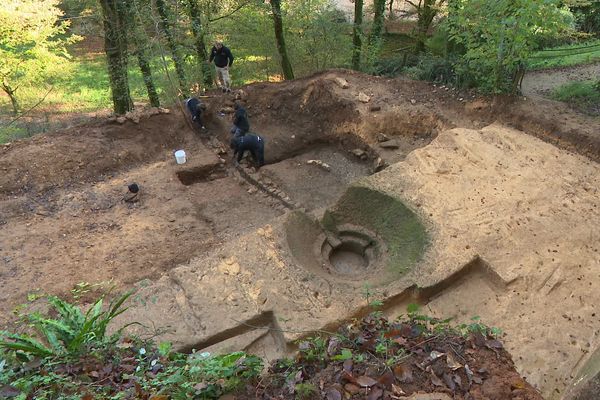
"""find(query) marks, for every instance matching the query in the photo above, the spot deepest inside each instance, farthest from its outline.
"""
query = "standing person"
(241, 125)
(223, 59)
(253, 143)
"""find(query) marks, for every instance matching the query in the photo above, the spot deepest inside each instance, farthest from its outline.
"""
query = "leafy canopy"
(499, 35)
(32, 43)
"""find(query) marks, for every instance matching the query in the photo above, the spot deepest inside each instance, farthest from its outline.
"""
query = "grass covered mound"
(69, 355)
(581, 95)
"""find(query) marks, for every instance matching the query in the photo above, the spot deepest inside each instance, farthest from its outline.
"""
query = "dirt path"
(542, 83)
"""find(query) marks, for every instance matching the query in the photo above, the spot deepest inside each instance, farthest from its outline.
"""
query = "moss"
(396, 224)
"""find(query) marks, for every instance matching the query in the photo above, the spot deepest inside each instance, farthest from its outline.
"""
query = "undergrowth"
(68, 354)
(583, 95)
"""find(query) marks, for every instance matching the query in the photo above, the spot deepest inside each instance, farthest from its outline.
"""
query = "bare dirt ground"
(218, 247)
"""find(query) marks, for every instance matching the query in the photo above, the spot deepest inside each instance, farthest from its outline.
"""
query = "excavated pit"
(349, 259)
(351, 254)
(236, 252)
(203, 173)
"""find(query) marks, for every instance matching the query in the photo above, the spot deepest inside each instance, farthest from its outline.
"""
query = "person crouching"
(249, 142)
(196, 108)
(241, 124)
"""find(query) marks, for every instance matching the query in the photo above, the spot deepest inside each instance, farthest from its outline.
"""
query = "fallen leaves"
(365, 381)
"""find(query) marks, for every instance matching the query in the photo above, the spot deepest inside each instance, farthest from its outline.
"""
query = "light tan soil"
(212, 260)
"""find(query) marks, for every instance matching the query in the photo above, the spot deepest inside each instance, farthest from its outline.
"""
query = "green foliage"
(314, 349)
(499, 36)
(476, 326)
(346, 354)
(316, 37)
(73, 356)
(587, 15)
(586, 52)
(69, 333)
(584, 95)
(203, 376)
(32, 45)
(305, 391)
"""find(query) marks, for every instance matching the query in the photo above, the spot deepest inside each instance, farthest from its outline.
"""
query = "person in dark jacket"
(252, 143)
(196, 108)
(241, 125)
(223, 59)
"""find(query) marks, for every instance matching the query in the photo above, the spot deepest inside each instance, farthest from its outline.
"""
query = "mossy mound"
(397, 236)
(398, 226)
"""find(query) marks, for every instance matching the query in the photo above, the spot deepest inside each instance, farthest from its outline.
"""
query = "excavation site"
(401, 191)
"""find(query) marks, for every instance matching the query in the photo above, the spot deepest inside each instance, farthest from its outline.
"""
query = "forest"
(83, 56)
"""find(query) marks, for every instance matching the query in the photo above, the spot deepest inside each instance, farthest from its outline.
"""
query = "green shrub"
(69, 333)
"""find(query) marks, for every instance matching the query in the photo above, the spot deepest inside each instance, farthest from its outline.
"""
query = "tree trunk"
(140, 42)
(426, 14)
(286, 66)
(115, 46)
(199, 43)
(378, 21)
(147, 76)
(357, 33)
(161, 7)
(13, 98)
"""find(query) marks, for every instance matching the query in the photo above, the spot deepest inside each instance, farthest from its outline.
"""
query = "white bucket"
(180, 156)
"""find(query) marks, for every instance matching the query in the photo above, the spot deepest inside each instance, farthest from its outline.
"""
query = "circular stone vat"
(348, 259)
(351, 253)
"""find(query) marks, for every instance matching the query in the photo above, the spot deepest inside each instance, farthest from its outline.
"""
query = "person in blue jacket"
(241, 125)
(196, 108)
(249, 142)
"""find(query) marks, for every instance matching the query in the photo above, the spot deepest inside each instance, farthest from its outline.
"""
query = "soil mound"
(87, 152)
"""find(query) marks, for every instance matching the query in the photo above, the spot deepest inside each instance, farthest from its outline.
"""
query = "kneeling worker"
(253, 143)
(241, 125)
(196, 107)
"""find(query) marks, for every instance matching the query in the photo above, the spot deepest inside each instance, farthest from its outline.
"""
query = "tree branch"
(232, 12)
(28, 111)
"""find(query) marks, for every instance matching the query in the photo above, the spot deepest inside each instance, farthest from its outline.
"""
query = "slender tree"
(357, 33)
(165, 25)
(378, 22)
(199, 43)
(286, 66)
(141, 51)
(142, 57)
(115, 46)
(33, 40)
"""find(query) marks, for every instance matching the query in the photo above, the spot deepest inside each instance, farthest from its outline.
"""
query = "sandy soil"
(217, 248)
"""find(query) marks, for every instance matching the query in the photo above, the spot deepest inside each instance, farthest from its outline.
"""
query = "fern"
(70, 333)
